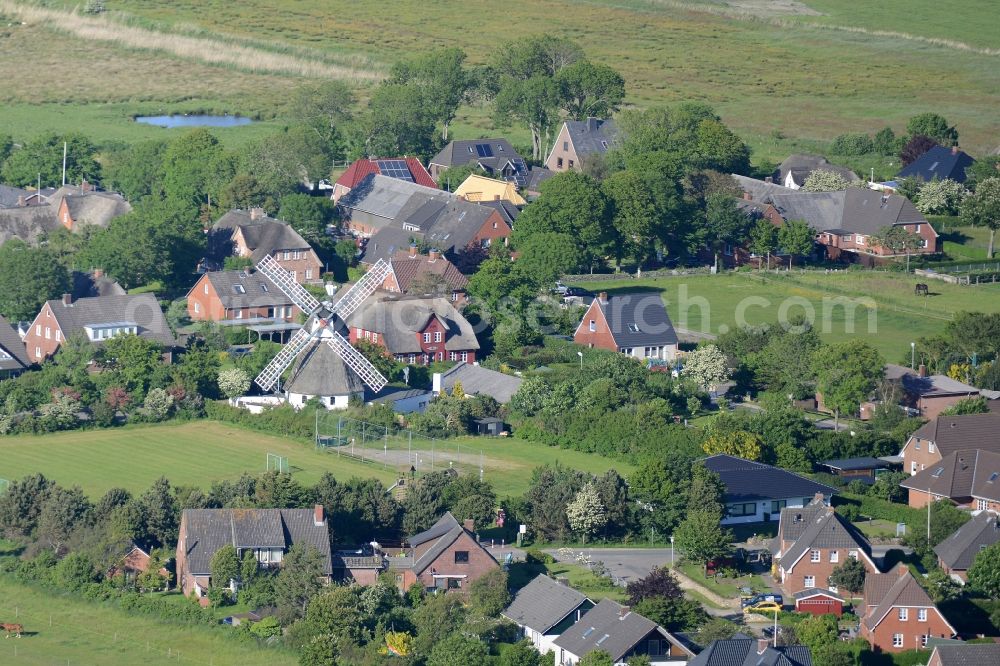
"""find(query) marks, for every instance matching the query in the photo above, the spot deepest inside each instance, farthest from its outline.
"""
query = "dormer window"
(98, 332)
(263, 287)
(634, 328)
(239, 289)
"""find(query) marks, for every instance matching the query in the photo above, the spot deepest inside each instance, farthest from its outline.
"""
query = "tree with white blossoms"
(157, 404)
(586, 513)
(940, 197)
(707, 367)
(234, 382)
(822, 180)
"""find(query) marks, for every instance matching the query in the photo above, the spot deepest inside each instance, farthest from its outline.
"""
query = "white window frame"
(982, 505)
(815, 556)
(904, 614)
(593, 326)
(465, 357)
(309, 273)
(374, 337)
(197, 307)
(437, 336)
(48, 333)
(239, 313)
(427, 337)
(834, 555)
(930, 447)
(58, 335)
(206, 286)
(453, 356)
(38, 330)
(809, 581)
(852, 554)
(38, 352)
(286, 255)
(897, 640)
(921, 615)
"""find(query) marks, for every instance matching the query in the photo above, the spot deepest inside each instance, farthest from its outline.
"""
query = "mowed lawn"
(716, 303)
(62, 629)
(198, 453)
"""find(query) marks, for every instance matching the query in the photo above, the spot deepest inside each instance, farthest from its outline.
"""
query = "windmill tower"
(325, 364)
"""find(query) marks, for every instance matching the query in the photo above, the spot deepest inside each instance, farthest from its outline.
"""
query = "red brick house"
(898, 614)
(267, 533)
(957, 553)
(408, 169)
(252, 235)
(419, 274)
(844, 221)
(445, 557)
(393, 214)
(969, 478)
(100, 318)
(579, 141)
(947, 434)
(812, 541)
(636, 325)
(136, 561)
(245, 295)
(414, 329)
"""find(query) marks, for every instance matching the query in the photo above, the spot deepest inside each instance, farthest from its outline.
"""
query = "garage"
(819, 602)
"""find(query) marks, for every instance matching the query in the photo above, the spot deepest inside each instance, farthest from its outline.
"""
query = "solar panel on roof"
(484, 150)
(395, 169)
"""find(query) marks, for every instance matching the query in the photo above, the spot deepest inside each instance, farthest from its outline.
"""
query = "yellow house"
(481, 188)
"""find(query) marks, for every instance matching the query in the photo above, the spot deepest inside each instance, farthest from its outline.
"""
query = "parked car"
(560, 288)
(763, 607)
(766, 597)
(575, 291)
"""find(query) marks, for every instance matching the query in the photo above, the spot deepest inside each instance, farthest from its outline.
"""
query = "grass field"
(62, 629)
(198, 453)
(808, 71)
(716, 303)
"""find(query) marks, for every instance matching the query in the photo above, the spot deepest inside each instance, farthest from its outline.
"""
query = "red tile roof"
(362, 167)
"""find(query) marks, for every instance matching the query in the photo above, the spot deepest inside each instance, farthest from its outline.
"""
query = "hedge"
(881, 509)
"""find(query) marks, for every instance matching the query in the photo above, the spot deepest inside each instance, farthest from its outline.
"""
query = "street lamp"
(580, 354)
(913, 354)
(671, 551)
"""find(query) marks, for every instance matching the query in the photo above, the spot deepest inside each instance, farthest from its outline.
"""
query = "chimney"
(257, 213)
(623, 611)
(469, 524)
(818, 498)
(432, 254)
(954, 150)
(21, 201)
(562, 580)
(603, 297)
(67, 299)
(747, 196)
(769, 179)
(922, 370)
(98, 273)
(592, 124)
(763, 644)
(413, 250)
(319, 520)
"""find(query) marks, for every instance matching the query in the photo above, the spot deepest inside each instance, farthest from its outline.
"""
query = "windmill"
(321, 324)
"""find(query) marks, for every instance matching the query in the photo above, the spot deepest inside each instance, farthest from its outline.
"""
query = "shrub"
(853, 144)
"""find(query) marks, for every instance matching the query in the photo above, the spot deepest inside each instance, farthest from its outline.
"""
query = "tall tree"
(136, 170)
(898, 240)
(846, 374)
(589, 90)
(934, 126)
(983, 209)
(796, 238)
(225, 567)
(823, 180)
(701, 538)
(298, 580)
(850, 575)
(586, 513)
(984, 574)
(441, 77)
(726, 225)
(549, 255)
(634, 215)
(191, 167)
(28, 277)
(396, 123)
(764, 239)
(914, 147)
(707, 366)
(325, 109)
(43, 158)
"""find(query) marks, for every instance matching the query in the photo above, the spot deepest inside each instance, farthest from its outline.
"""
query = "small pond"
(194, 121)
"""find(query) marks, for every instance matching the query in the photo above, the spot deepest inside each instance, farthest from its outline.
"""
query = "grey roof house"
(968, 477)
(752, 652)
(622, 633)
(320, 372)
(938, 163)
(543, 609)
(957, 553)
(13, 359)
(580, 140)
(757, 492)
(635, 324)
(965, 655)
(267, 533)
(496, 157)
(477, 380)
(794, 171)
